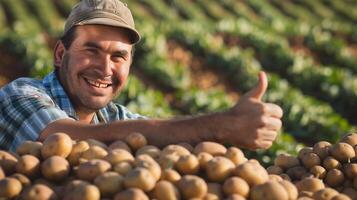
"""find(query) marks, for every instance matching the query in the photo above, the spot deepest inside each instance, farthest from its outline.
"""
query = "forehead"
(102, 33)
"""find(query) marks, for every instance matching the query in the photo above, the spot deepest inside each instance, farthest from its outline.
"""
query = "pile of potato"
(60, 168)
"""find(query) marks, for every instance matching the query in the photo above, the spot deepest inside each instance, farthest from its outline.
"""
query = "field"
(199, 56)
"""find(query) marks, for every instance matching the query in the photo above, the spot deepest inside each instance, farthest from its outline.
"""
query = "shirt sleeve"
(125, 114)
(24, 117)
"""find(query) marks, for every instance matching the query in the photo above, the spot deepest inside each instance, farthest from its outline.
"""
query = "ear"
(58, 53)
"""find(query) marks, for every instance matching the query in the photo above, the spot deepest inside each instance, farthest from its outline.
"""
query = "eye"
(119, 57)
(92, 51)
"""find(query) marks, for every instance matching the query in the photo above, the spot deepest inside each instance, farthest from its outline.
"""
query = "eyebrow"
(97, 46)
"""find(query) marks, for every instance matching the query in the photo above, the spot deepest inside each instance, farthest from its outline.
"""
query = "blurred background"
(199, 56)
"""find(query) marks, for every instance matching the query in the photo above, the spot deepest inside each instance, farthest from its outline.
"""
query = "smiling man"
(92, 62)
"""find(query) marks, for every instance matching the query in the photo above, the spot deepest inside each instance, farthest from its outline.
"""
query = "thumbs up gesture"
(252, 123)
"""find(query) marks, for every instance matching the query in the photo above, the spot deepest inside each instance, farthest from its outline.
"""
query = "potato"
(28, 165)
(235, 197)
(212, 148)
(109, 183)
(285, 177)
(145, 161)
(119, 145)
(310, 185)
(168, 161)
(219, 168)
(275, 170)
(136, 140)
(192, 186)
(305, 150)
(350, 139)
(187, 146)
(38, 192)
(274, 177)
(7, 162)
(236, 185)
(350, 192)
(119, 155)
(150, 150)
(91, 169)
(341, 197)
(94, 142)
(235, 155)
(72, 185)
(24, 180)
(122, 167)
(343, 152)
(322, 149)
(208, 196)
(30, 147)
(2, 173)
(331, 163)
(269, 191)
(203, 159)
(94, 152)
(214, 191)
(165, 190)
(77, 151)
(296, 173)
(310, 159)
(9, 188)
(325, 194)
(318, 172)
(286, 161)
(55, 168)
(131, 193)
(252, 172)
(176, 150)
(84, 192)
(187, 164)
(170, 175)
(334, 177)
(290, 189)
(140, 178)
(350, 170)
(57, 144)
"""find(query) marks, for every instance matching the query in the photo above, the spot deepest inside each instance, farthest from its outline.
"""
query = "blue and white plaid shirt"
(28, 105)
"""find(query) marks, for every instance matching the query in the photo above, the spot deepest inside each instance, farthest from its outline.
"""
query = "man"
(92, 62)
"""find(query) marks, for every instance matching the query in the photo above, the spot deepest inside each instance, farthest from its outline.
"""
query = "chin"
(96, 105)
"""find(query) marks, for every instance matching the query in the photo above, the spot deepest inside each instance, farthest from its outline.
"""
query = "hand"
(252, 123)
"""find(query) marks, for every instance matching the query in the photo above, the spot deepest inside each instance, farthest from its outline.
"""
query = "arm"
(250, 123)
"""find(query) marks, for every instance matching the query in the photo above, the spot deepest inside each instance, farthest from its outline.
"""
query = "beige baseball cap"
(104, 12)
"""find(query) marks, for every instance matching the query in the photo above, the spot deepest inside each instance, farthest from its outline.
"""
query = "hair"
(69, 37)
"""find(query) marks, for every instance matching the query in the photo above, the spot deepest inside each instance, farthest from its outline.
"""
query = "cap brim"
(134, 34)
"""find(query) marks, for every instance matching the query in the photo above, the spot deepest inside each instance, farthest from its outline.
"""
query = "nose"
(106, 67)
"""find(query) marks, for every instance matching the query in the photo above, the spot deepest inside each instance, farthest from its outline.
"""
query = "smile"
(97, 84)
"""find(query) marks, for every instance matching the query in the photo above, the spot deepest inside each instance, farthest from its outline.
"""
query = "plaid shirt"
(28, 105)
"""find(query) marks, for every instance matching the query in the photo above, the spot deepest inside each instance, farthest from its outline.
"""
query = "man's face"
(96, 66)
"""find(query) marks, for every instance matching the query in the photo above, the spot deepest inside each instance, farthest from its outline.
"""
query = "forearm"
(158, 132)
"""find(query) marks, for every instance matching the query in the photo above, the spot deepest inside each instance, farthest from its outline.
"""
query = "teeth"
(97, 84)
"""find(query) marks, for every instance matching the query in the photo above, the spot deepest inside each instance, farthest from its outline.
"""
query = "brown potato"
(165, 190)
(310, 159)
(275, 170)
(28, 165)
(187, 146)
(203, 159)
(119, 145)
(170, 175)
(109, 183)
(334, 177)
(290, 189)
(136, 140)
(350, 139)
(274, 177)
(91, 169)
(296, 173)
(305, 150)
(119, 155)
(187, 164)
(252, 172)
(176, 150)
(9, 188)
(84, 192)
(325, 194)
(269, 191)
(341, 197)
(7, 162)
(343, 152)
(38, 192)
(150, 150)
(140, 178)
(2, 173)
(131, 193)
(350, 192)
(310, 185)
(236, 185)
(122, 167)
(219, 168)
(212, 148)
(322, 149)
(331, 163)
(235, 197)
(192, 186)
(57, 144)
(350, 170)
(77, 151)
(94, 142)
(235, 155)
(147, 162)
(286, 161)
(214, 191)
(55, 168)
(24, 180)
(30, 147)
(94, 152)
(318, 172)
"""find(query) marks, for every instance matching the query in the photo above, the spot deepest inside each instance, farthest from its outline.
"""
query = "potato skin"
(7, 162)
(39, 192)
(310, 185)
(109, 183)
(59, 144)
(136, 140)
(89, 170)
(219, 168)
(192, 186)
(188, 164)
(131, 193)
(55, 168)
(270, 191)
(165, 190)
(28, 165)
(213, 148)
(343, 152)
(10, 188)
(286, 161)
(30, 147)
(236, 185)
(252, 172)
(140, 178)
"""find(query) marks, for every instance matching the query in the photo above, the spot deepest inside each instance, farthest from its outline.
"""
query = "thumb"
(259, 90)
